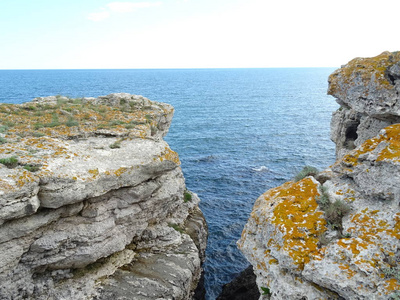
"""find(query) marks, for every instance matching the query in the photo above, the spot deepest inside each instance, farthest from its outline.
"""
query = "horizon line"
(188, 68)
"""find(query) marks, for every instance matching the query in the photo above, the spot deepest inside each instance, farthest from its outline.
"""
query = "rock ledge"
(92, 202)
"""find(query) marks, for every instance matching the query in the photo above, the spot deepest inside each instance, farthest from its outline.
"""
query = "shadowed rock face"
(102, 215)
(296, 248)
(243, 287)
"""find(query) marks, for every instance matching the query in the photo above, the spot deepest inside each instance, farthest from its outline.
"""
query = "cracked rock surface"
(297, 249)
(95, 206)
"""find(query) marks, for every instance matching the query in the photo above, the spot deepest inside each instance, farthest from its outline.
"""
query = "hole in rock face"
(391, 78)
(350, 136)
(351, 132)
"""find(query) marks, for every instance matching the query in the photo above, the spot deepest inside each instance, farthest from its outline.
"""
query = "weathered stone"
(167, 275)
(296, 246)
(344, 126)
(103, 204)
(196, 228)
(366, 86)
(368, 91)
(17, 201)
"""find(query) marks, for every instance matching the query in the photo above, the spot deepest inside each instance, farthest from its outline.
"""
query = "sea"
(238, 132)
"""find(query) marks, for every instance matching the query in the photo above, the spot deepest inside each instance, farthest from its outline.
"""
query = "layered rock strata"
(336, 235)
(93, 203)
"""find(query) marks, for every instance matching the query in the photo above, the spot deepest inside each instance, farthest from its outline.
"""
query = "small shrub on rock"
(115, 145)
(265, 291)
(10, 162)
(323, 200)
(72, 122)
(307, 171)
(334, 211)
(187, 196)
(32, 168)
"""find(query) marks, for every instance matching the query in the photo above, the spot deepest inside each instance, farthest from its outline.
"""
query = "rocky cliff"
(368, 91)
(93, 203)
(335, 235)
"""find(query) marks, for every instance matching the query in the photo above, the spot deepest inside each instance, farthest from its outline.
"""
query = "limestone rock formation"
(368, 90)
(337, 235)
(93, 203)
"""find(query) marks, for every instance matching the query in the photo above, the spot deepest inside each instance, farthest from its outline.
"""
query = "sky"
(106, 34)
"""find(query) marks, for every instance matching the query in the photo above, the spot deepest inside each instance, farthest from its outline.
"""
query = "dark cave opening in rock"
(351, 135)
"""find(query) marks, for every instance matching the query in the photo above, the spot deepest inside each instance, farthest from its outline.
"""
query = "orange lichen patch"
(396, 227)
(94, 173)
(369, 227)
(350, 199)
(373, 263)
(170, 155)
(367, 230)
(354, 245)
(262, 203)
(369, 70)
(345, 194)
(392, 285)
(4, 185)
(339, 192)
(262, 265)
(348, 270)
(36, 151)
(391, 139)
(297, 217)
(120, 171)
(273, 261)
(23, 177)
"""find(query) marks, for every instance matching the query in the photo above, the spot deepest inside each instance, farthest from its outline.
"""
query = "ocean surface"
(238, 132)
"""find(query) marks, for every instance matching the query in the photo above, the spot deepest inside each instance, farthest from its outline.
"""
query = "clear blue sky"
(64, 34)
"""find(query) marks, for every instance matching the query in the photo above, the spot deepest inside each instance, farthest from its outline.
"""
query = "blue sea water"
(238, 132)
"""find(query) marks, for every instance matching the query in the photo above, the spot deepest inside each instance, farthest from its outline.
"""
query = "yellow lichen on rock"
(50, 136)
(120, 171)
(392, 285)
(170, 155)
(298, 218)
(358, 256)
(5, 186)
(369, 226)
(369, 70)
(296, 221)
(389, 142)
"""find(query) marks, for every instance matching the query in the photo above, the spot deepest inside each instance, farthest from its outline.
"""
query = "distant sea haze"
(238, 133)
